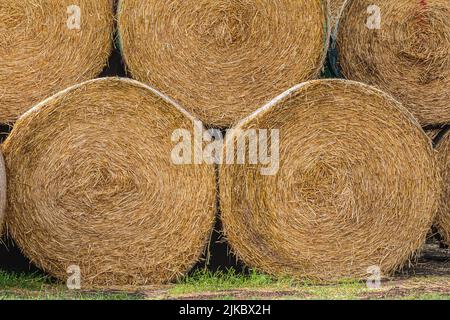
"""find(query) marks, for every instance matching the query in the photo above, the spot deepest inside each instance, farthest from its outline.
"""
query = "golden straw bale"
(48, 45)
(92, 184)
(223, 59)
(403, 48)
(358, 185)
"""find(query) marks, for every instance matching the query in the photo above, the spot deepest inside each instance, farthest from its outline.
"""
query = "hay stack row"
(222, 60)
(358, 185)
(91, 181)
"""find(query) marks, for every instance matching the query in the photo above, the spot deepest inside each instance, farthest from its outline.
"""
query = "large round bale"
(223, 59)
(2, 191)
(48, 45)
(92, 184)
(401, 47)
(356, 190)
(443, 218)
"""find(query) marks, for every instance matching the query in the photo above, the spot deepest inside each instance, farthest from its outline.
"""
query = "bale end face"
(223, 59)
(48, 45)
(401, 47)
(92, 185)
(358, 185)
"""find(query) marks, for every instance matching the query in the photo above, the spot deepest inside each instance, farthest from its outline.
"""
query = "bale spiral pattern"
(92, 184)
(443, 218)
(223, 59)
(408, 57)
(358, 185)
(43, 52)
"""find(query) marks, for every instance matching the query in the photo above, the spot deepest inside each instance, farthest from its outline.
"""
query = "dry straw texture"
(223, 59)
(41, 55)
(92, 184)
(335, 9)
(409, 57)
(358, 185)
(443, 219)
(2, 191)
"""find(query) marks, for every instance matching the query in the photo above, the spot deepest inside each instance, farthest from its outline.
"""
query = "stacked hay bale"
(47, 45)
(223, 59)
(401, 47)
(92, 184)
(358, 185)
(443, 218)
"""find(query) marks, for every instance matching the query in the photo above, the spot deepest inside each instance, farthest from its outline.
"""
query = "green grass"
(346, 290)
(65, 295)
(38, 287)
(227, 285)
(206, 281)
(22, 281)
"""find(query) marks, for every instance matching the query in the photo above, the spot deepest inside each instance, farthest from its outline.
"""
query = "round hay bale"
(2, 192)
(443, 218)
(48, 45)
(223, 59)
(407, 56)
(357, 185)
(92, 185)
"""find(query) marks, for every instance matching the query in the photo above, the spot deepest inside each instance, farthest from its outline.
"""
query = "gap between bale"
(358, 185)
(223, 59)
(92, 184)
